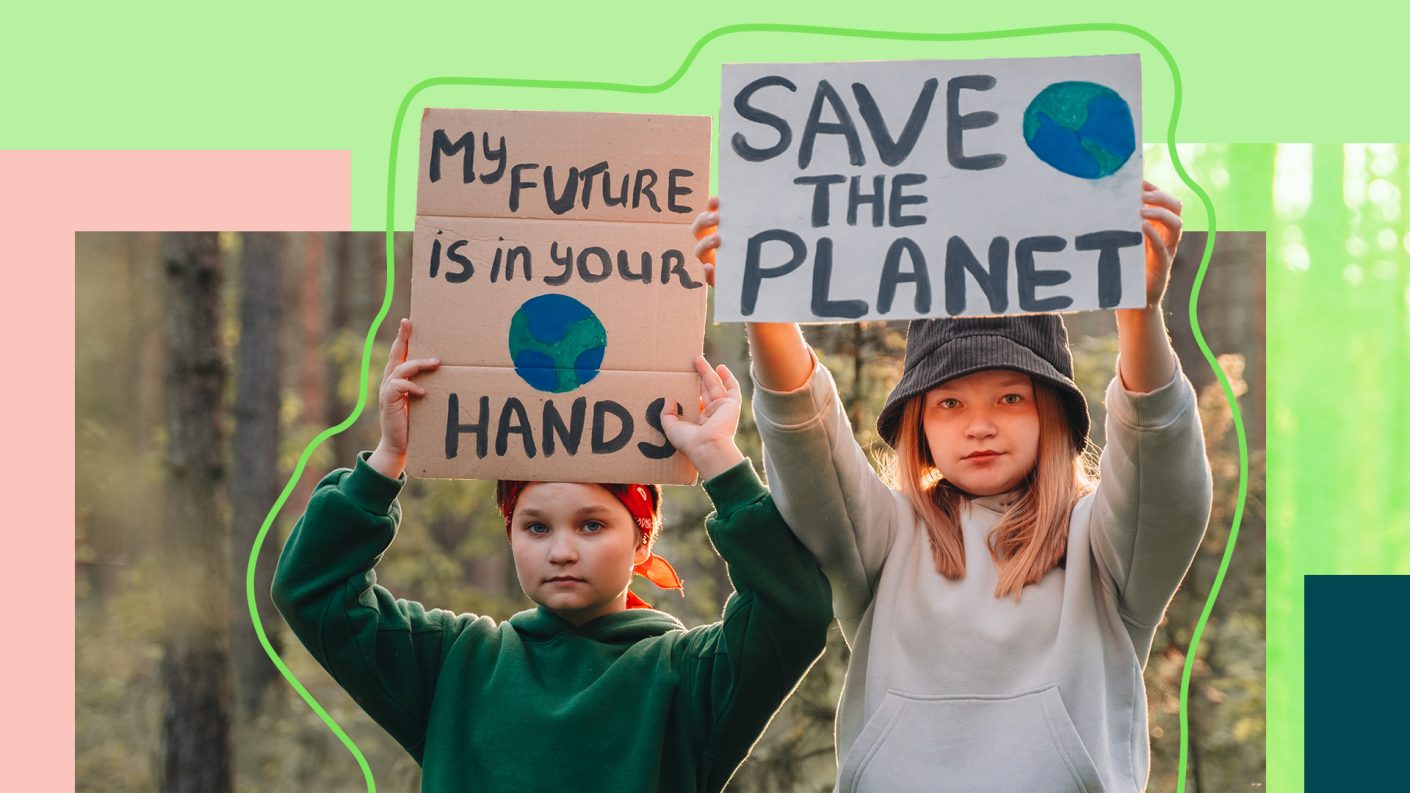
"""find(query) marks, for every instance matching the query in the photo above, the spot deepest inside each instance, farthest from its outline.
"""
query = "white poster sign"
(907, 189)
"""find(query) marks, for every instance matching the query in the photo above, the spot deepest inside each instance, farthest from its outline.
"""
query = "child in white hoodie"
(999, 599)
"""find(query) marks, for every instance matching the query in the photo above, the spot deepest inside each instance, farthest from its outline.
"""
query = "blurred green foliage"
(451, 552)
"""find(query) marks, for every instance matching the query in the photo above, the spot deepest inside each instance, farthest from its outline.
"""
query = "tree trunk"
(255, 479)
(195, 722)
(337, 285)
(308, 357)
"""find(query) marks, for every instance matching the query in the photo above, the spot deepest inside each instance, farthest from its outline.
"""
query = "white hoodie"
(952, 689)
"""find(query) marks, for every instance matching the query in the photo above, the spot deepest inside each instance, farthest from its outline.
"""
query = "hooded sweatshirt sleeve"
(774, 627)
(827, 489)
(1150, 510)
(384, 652)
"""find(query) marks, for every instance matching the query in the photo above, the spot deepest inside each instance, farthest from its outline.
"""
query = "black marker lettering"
(821, 193)
(600, 443)
(561, 203)
(816, 126)
(516, 183)
(748, 112)
(553, 427)
(601, 254)
(645, 180)
(673, 263)
(824, 306)
(466, 268)
(895, 152)
(435, 256)
(440, 144)
(518, 253)
(674, 190)
(855, 198)
(514, 409)
(664, 449)
(891, 276)
(493, 155)
(1110, 244)
(994, 281)
(900, 200)
(957, 123)
(611, 200)
(454, 428)
(1030, 278)
(588, 175)
(754, 273)
(565, 261)
(628, 274)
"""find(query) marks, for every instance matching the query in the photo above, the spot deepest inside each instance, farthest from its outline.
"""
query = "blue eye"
(593, 527)
(536, 528)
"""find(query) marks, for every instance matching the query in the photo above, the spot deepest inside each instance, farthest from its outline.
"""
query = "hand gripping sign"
(553, 276)
(908, 189)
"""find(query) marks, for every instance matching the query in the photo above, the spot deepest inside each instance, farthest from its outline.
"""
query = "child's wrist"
(713, 459)
(386, 462)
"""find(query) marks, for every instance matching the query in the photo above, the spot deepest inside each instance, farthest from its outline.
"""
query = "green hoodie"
(627, 702)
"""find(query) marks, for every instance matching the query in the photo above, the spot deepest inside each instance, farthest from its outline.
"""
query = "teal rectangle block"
(1356, 690)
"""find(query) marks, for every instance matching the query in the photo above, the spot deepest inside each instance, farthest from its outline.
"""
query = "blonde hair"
(1031, 537)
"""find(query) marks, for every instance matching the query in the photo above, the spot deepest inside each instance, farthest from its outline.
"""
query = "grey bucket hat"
(938, 350)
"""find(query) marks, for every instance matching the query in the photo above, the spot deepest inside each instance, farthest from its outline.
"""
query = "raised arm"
(1153, 503)
(385, 652)
(1147, 359)
(779, 355)
(823, 483)
(738, 671)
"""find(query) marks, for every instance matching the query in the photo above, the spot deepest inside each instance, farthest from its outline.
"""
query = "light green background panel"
(1339, 387)
(323, 76)
(1338, 361)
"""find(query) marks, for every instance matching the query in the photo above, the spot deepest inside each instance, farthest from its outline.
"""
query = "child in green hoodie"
(592, 690)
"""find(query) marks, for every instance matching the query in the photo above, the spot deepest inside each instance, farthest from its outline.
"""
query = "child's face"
(574, 547)
(983, 430)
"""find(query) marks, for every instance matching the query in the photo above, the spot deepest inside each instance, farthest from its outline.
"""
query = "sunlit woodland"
(207, 362)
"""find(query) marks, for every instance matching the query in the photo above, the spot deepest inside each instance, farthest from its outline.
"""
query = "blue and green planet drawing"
(1080, 128)
(556, 343)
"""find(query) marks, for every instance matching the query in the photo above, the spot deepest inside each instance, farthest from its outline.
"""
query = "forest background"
(160, 600)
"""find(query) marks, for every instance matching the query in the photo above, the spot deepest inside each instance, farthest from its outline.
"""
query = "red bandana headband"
(637, 500)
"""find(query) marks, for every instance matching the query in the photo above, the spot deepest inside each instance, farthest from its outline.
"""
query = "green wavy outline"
(700, 44)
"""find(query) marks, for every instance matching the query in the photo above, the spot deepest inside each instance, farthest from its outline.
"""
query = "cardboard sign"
(553, 275)
(907, 189)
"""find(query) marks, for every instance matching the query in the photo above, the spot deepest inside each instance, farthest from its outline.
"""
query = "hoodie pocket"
(971, 744)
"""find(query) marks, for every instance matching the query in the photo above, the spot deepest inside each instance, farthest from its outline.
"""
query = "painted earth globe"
(1083, 129)
(556, 343)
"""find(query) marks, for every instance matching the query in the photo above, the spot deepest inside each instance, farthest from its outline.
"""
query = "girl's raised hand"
(707, 236)
(1160, 220)
(709, 441)
(393, 398)
(1147, 359)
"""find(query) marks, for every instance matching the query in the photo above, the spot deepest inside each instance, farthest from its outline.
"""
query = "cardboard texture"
(664, 160)
(609, 420)
(906, 189)
(641, 280)
(565, 312)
